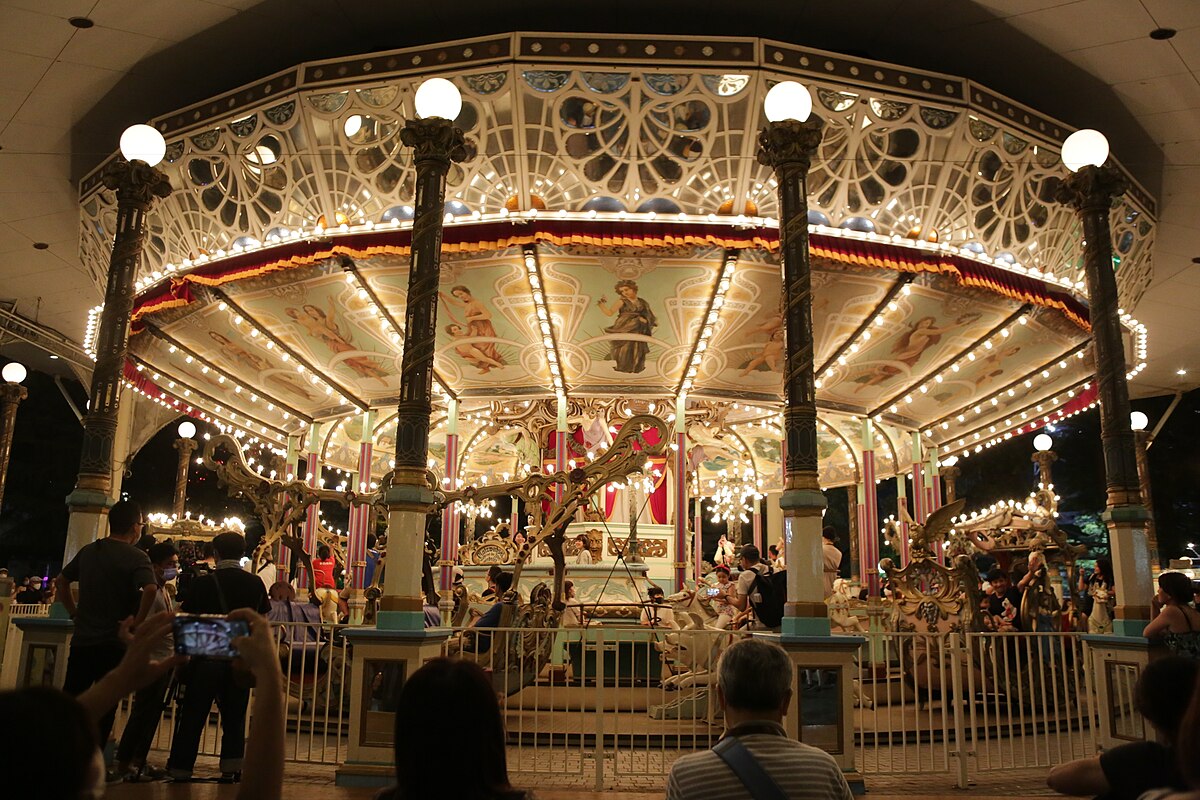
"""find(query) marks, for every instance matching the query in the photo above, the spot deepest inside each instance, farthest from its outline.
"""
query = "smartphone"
(713, 592)
(208, 636)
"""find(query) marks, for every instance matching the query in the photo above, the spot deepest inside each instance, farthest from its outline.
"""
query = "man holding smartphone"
(228, 588)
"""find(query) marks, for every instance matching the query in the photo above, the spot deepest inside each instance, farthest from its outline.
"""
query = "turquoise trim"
(363, 780)
(400, 620)
(1121, 514)
(87, 498)
(59, 611)
(801, 498)
(1129, 628)
(794, 627)
(404, 494)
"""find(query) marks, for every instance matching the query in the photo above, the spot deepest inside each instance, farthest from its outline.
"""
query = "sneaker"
(231, 777)
(111, 775)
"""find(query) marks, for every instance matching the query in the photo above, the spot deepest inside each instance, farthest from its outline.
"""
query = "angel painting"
(477, 324)
(909, 348)
(633, 317)
(768, 356)
(472, 352)
(323, 327)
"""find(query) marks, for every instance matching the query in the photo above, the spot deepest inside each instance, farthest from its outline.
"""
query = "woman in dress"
(633, 317)
(478, 319)
(239, 355)
(1173, 617)
(471, 352)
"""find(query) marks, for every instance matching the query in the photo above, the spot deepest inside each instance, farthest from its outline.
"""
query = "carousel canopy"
(614, 243)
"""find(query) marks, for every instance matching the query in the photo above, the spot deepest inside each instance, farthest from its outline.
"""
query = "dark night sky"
(47, 440)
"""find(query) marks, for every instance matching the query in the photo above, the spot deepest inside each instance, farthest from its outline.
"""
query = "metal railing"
(29, 610)
(607, 705)
(970, 703)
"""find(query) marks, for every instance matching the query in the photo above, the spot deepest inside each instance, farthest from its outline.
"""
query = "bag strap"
(747, 769)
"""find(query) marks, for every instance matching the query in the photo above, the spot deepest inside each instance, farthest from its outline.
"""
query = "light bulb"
(143, 143)
(1085, 148)
(437, 97)
(787, 100)
(14, 372)
(187, 429)
(1042, 442)
(1138, 421)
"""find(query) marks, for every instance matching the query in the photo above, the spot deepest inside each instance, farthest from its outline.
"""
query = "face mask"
(169, 573)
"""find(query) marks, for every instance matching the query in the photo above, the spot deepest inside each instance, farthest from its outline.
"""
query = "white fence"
(615, 706)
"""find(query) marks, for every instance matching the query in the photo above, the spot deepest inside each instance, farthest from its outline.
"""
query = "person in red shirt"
(324, 585)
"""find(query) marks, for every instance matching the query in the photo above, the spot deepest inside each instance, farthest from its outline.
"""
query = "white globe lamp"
(787, 100)
(1085, 148)
(438, 97)
(950, 461)
(187, 429)
(14, 372)
(143, 143)
(1042, 442)
(1138, 421)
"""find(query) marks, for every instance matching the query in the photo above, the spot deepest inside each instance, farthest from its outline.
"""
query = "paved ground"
(316, 783)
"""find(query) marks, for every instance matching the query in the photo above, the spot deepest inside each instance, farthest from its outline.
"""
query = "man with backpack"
(762, 588)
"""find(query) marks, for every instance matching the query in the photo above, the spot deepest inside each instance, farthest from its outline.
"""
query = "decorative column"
(950, 472)
(868, 533)
(1091, 190)
(436, 143)
(312, 522)
(919, 511)
(855, 508)
(137, 184)
(283, 560)
(787, 145)
(186, 445)
(362, 520)
(681, 492)
(901, 510)
(450, 517)
(561, 434)
(1142, 438)
(11, 395)
(698, 532)
(933, 481)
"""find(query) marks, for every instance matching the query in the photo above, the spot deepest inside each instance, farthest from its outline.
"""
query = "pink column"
(312, 522)
(698, 538)
(901, 509)
(868, 532)
(450, 522)
(361, 515)
(681, 492)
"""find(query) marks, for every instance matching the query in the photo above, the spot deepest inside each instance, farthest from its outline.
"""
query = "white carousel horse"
(1100, 620)
(839, 608)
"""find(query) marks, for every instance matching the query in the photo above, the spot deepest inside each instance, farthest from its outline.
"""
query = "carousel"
(609, 355)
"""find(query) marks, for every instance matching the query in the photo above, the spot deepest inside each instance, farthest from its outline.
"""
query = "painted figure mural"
(633, 317)
(477, 324)
(237, 354)
(909, 348)
(323, 327)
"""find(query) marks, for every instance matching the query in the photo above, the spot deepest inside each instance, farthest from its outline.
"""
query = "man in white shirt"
(752, 566)
(754, 690)
(657, 614)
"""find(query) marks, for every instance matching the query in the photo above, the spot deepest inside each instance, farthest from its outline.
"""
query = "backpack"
(772, 588)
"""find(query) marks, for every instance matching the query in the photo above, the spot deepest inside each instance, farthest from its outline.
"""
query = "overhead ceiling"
(66, 92)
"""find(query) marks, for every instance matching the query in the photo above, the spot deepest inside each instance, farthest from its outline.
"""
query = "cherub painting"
(768, 356)
(478, 325)
(324, 328)
(633, 317)
(237, 354)
(873, 376)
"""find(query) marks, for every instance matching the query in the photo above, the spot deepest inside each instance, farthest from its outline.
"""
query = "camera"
(208, 636)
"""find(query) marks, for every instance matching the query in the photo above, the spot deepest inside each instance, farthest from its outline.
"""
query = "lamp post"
(436, 142)
(1043, 456)
(137, 184)
(186, 445)
(949, 471)
(1091, 189)
(11, 395)
(1138, 422)
(787, 145)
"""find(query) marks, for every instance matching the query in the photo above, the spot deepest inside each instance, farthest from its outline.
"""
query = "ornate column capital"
(136, 182)
(185, 446)
(1092, 188)
(790, 142)
(436, 139)
(12, 393)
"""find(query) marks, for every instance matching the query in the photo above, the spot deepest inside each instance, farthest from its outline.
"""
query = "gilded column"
(1091, 191)
(788, 146)
(186, 446)
(137, 185)
(436, 143)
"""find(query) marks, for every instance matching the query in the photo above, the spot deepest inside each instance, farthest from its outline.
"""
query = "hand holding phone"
(208, 636)
(714, 592)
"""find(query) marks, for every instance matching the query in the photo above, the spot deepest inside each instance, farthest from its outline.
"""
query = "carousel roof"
(614, 242)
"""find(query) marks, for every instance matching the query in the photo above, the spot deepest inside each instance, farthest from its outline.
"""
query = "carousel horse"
(840, 618)
(1100, 620)
(692, 653)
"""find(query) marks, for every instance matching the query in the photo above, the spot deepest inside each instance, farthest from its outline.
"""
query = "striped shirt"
(802, 771)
